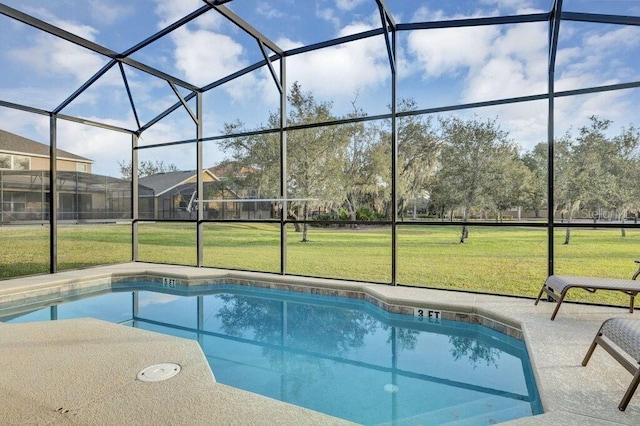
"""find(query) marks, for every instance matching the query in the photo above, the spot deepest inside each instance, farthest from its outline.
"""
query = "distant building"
(20, 153)
(82, 196)
(174, 195)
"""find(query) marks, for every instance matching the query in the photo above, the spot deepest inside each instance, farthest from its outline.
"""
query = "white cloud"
(105, 147)
(172, 10)
(59, 57)
(348, 5)
(620, 38)
(514, 6)
(205, 56)
(515, 66)
(329, 15)
(267, 10)
(453, 50)
(46, 54)
(157, 299)
(32, 126)
(340, 71)
(597, 57)
(109, 12)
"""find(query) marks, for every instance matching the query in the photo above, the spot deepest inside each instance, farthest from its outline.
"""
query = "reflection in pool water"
(343, 357)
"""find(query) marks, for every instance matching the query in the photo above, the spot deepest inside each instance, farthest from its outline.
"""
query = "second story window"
(5, 161)
(21, 163)
(14, 162)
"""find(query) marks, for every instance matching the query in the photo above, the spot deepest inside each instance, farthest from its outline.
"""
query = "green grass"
(493, 260)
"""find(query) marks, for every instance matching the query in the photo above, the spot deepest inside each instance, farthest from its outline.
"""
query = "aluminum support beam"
(199, 183)
(394, 168)
(387, 22)
(94, 123)
(475, 22)
(128, 89)
(135, 197)
(85, 86)
(270, 65)
(53, 194)
(245, 26)
(554, 29)
(283, 166)
(600, 18)
(82, 42)
(382, 5)
(24, 108)
(193, 116)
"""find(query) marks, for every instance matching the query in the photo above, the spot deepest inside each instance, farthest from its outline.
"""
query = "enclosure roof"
(127, 65)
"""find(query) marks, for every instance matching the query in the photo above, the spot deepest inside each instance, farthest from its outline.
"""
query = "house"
(82, 196)
(174, 195)
(20, 153)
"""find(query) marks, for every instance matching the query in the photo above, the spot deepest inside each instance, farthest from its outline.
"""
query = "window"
(21, 163)
(15, 162)
(5, 161)
(14, 203)
(82, 167)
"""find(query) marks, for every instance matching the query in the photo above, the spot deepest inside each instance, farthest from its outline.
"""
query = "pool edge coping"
(465, 312)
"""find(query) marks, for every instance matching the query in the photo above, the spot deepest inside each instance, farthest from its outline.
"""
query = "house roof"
(16, 144)
(227, 169)
(163, 182)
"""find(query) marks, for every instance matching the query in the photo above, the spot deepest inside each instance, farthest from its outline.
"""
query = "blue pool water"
(343, 357)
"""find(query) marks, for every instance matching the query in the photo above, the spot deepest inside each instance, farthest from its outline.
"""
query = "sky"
(436, 68)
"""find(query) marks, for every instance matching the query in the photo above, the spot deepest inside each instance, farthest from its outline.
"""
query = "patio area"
(570, 394)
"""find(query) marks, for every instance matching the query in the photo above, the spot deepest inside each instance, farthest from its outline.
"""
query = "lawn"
(494, 260)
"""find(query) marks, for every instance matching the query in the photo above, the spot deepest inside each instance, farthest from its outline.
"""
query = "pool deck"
(76, 372)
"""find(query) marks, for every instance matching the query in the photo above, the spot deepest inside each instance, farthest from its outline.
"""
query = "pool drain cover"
(158, 372)
(390, 388)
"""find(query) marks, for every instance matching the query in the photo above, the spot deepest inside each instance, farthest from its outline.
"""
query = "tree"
(314, 155)
(145, 168)
(625, 168)
(535, 195)
(506, 180)
(361, 166)
(468, 160)
(255, 157)
(601, 174)
(418, 148)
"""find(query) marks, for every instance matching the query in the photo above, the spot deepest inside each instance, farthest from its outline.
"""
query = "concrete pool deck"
(84, 371)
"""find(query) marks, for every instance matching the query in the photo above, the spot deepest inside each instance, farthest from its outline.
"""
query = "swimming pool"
(344, 357)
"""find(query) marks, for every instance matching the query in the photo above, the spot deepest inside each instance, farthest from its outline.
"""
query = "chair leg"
(592, 348)
(555, 311)
(540, 294)
(630, 391)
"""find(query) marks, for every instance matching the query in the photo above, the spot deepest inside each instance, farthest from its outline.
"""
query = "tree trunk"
(296, 224)
(465, 232)
(305, 225)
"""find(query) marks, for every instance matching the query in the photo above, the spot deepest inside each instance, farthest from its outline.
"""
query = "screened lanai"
(472, 145)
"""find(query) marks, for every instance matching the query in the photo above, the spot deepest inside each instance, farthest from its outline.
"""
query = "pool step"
(485, 411)
(492, 418)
